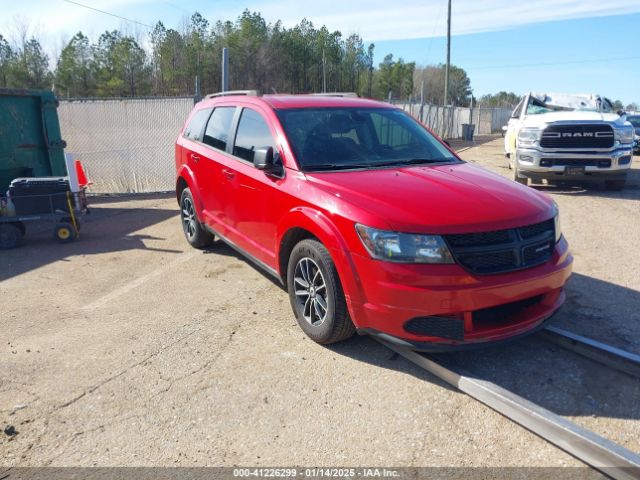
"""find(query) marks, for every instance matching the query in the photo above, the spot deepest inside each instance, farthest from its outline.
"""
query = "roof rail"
(248, 93)
(337, 94)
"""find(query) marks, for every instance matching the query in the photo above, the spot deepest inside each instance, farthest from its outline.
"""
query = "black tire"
(65, 232)
(193, 230)
(10, 235)
(615, 185)
(335, 325)
(518, 178)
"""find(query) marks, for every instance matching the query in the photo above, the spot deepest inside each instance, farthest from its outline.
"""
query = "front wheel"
(316, 294)
(195, 234)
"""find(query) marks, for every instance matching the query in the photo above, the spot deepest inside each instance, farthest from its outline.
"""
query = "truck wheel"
(10, 235)
(316, 294)
(615, 185)
(195, 234)
(519, 179)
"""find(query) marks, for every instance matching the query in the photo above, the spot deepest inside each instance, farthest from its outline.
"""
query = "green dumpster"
(30, 141)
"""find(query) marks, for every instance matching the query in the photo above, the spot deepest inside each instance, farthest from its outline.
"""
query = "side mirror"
(263, 159)
(269, 162)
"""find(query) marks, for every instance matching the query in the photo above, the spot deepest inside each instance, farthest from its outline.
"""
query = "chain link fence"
(127, 145)
(447, 122)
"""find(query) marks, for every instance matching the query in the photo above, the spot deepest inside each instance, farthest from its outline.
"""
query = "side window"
(196, 124)
(217, 132)
(253, 133)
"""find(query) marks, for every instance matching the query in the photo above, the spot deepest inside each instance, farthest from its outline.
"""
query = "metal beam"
(607, 355)
(604, 455)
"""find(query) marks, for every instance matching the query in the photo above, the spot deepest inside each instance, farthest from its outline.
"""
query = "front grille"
(488, 262)
(484, 238)
(536, 229)
(577, 136)
(576, 162)
(503, 251)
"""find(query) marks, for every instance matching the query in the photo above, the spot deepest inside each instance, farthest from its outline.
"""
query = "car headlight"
(404, 247)
(529, 136)
(625, 134)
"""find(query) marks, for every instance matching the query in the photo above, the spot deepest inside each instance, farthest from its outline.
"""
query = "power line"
(108, 13)
(543, 64)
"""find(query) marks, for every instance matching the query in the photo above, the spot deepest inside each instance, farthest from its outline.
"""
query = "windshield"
(635, 120)
(566, 103)
(350, 138)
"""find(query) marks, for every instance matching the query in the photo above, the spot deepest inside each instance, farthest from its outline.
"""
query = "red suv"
(370, 221)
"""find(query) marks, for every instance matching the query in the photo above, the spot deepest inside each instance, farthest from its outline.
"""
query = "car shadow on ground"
(105, 229)
(556, 379)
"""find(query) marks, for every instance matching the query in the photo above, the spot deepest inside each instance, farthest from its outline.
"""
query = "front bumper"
(534, 163)
(397, 293)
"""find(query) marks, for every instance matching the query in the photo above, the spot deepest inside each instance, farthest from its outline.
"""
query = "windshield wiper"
(410, 161)
(334, 166)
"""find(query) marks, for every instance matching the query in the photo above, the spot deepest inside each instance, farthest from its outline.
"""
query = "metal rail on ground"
(612, 357)
(598, 452)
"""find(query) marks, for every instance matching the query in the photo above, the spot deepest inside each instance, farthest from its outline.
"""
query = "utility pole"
(446, 71)
(225, 69)
(324, 73)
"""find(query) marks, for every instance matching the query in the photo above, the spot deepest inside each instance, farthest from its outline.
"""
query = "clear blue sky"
(581, 46)
(585, 55)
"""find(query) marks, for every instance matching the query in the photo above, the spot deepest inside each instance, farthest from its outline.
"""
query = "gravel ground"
(129, 348)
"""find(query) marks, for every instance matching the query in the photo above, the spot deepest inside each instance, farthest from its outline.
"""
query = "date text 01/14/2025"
(316, 472)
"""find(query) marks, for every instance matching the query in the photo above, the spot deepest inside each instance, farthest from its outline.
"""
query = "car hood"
(455, 198)
(571, 116)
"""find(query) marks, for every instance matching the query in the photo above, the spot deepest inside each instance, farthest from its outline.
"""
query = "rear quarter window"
(196, 125)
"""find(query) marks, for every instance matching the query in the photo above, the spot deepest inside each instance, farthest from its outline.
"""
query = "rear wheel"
(10, 235)
(316, 294)
(65, 232)
(195, 234)
(615, 185)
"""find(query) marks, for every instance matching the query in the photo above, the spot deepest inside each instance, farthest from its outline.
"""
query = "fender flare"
(319, 225)
(186, 174)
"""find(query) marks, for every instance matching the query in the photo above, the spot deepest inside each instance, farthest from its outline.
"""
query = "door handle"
(229, 174)
(195, 158)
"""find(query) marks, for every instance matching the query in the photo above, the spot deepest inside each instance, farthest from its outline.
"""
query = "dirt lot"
(129, 348)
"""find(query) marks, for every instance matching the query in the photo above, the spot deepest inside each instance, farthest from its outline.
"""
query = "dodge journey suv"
(371, 222)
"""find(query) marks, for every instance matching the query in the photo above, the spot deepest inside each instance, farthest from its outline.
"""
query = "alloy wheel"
(310, 291)
(189, 217)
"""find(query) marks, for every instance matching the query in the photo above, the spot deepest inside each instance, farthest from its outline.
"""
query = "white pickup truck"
(575, 138)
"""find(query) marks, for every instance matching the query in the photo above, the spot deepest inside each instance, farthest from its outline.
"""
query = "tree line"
(262, 55)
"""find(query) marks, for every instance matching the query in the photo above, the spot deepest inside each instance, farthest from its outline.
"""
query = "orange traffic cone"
(82, 177)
